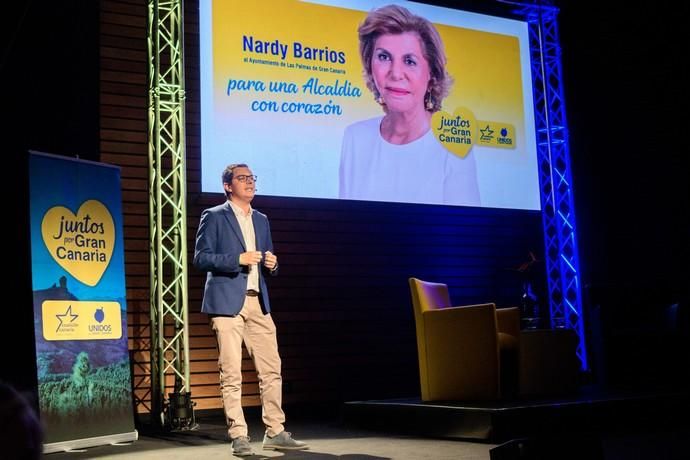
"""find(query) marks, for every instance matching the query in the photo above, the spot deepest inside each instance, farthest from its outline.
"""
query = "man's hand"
(271, 261)
(250, 257)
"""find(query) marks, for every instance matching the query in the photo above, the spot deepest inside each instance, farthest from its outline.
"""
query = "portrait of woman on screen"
(395, 156)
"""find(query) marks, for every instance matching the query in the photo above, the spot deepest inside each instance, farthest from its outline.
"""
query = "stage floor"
(595, 426)
(328, 437)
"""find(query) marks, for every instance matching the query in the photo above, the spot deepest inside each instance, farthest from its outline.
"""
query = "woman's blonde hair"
(394, 20)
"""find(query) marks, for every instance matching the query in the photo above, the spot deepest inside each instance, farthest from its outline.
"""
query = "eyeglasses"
(242, 178)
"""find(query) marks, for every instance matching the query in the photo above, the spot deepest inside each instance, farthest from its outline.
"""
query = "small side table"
(548, 362)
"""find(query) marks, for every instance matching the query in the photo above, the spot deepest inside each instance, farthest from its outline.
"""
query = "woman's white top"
(421, 171)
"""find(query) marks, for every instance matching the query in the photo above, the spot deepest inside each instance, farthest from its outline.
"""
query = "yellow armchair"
(463, 350)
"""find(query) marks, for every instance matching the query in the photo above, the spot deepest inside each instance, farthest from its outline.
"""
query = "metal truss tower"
(168, 217)
(555, 178)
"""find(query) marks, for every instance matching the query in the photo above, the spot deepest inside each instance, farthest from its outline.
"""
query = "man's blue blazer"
(219, 243)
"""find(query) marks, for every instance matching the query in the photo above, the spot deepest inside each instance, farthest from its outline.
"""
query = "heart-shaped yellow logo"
(80, 244)
(457, 132)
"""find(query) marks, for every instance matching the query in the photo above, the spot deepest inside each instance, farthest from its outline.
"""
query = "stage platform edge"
(588, 411)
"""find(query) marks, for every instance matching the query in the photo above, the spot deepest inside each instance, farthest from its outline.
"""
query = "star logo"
(487, 133)
(64, 316)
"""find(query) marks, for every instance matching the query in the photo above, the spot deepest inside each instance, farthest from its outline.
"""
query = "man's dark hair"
(229, 172)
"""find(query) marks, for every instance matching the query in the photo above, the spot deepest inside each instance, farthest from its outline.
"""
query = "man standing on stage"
(234, 247)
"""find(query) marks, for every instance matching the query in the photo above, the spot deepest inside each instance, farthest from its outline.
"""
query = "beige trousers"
(259, 335)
